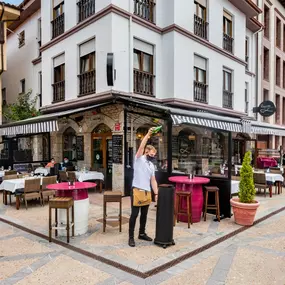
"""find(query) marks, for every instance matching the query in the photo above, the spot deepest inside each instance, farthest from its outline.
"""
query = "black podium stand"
(165, 216)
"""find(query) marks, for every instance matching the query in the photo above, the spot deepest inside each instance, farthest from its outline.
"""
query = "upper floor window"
(228, 32)
(40, 88)
(227, 89)
(87, 76)
(145, 9)
(278, 32)
(58, 18)
(143, 68)
(59, 78)
(200, 80)
(39, 37)
(200, 19)
(266, 16)
(247, 52)
(21, 39)
(266, 63)
(86, 8)
(22, 86)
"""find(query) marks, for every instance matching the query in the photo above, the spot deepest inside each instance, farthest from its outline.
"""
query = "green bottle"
(157, 129)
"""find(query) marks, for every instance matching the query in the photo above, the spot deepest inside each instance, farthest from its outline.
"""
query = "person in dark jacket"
(67, 163)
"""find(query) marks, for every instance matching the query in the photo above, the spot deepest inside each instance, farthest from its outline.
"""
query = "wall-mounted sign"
(265, 109)
(117, 127)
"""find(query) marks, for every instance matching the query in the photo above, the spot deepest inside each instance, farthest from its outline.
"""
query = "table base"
(197, 201)
(81, 211)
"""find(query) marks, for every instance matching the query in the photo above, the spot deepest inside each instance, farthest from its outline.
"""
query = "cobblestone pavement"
(255, 256)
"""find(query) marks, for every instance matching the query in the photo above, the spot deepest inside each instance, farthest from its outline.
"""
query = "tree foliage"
(23, 108)
(246, 185)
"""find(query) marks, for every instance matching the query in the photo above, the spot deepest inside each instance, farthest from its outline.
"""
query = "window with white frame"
(200, 79)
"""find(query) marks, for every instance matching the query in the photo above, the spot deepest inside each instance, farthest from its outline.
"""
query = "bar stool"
(216, 206)
(178, 209)
(61, 203)
(112, 197)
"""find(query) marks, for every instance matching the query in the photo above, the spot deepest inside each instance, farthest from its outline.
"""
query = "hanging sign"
(265, 109)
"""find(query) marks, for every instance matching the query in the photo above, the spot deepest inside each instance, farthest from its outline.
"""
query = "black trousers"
(134, 214)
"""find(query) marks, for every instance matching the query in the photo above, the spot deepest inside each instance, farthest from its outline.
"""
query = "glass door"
(98, 154)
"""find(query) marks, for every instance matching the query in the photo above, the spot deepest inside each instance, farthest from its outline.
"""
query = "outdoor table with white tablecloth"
(12, 185)
(89, 176)
(270, 177)
(43, 170)
(2, 173)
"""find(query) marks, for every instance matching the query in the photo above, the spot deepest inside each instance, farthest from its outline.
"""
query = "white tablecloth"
(90, 175)
(235, 187)
(42, 170)
(14, 184)
(2, 173)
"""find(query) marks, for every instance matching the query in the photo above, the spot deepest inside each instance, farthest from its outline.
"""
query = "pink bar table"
(79, 193)
(183, 183)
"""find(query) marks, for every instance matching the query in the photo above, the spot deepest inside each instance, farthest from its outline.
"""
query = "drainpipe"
(130, 45)
(2, 49)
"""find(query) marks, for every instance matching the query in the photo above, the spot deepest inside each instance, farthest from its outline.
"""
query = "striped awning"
(267, 129)
(233, 126)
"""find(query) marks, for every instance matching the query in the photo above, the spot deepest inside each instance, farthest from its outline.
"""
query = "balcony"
(200, 27)
(253, 24)
(86, 8)
(248, 7)
(58, 91)
(143, 83)
(227, 99)
(87, 83)
(228, 43)
(144, 9)
(200, 92)
(58, 26)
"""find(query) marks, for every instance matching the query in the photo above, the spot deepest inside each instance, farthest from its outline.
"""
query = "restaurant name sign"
(265, 109)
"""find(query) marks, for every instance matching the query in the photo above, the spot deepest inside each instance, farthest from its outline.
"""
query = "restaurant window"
(138, 126)
(199, 150)
(200, 79)
(143, 68)
(69, 144)
(87, 76)
(4, 150)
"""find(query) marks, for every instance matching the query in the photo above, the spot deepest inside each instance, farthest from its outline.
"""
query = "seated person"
(51, 163)
(67, 163)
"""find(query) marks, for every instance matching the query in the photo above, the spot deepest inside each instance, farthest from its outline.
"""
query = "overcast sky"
(15, 2)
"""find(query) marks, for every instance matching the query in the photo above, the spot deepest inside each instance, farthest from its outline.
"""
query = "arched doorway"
(69, 144)
(102, 159)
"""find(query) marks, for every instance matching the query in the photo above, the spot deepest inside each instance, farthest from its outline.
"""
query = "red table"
(79, 192)
(183, 183)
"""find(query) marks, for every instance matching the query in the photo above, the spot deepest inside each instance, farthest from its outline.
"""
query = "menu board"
(80, 147)
(117, 149)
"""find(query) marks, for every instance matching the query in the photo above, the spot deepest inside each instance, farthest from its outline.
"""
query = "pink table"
(183, 183)
(79, 192)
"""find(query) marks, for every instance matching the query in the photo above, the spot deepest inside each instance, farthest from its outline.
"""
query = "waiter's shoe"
(145, 237)
(132, 242)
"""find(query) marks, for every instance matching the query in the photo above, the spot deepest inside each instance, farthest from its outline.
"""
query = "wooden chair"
(46, 192)
(10, 172)
(61, 203)
(62, 176)
(5, 193)
(261, 183)
(216, 206)
(32, 190)
(178, 210)
(71, 176)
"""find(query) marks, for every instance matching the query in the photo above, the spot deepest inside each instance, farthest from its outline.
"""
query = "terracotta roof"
(11, 6)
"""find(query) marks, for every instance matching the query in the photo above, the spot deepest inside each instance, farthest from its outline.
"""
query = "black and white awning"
(233, 126)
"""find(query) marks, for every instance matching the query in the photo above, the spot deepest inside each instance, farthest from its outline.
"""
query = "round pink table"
(183, 183)
(79, 192)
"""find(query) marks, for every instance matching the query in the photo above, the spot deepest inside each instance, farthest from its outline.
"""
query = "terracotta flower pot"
(244, 213)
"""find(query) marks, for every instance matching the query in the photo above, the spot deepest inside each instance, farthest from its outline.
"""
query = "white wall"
(19, 60)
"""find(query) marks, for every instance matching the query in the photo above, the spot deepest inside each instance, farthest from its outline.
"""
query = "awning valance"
(40, 124)
(262, 128)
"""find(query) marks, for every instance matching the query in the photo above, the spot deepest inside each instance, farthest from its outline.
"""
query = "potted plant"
(245, 207)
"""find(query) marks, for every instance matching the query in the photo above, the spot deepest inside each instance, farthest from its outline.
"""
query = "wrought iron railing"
(200, 27)
(227, 99)
(143, 82)
(87, 82)
(145, 9)
(228, 43)
(200, 92)
(58, 91)
(86, 8)
(58, 26)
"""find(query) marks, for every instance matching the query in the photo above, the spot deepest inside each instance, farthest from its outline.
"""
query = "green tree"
(246, 185)
(23, 108)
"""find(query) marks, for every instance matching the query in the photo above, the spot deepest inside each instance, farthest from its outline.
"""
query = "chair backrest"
(259, 178)
(275, 171)
(10, 172)
(70, 168)
(71, 175)
(47, 181)
(236, 178)
(32, 185)
(62, 176)
(8, 177)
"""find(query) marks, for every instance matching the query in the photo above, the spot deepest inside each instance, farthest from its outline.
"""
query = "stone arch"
(70, 124)
(100, 119)
(101, 128)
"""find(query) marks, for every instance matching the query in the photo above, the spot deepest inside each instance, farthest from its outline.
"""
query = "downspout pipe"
(2, 48)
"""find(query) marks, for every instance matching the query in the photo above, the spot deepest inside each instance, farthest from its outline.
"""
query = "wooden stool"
(61, 203)
(112, 197)
(216, 206)
(178, 210)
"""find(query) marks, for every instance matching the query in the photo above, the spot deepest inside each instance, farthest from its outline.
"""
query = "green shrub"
(246, 186)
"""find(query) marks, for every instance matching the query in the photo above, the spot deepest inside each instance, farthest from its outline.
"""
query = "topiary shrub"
(246, 186)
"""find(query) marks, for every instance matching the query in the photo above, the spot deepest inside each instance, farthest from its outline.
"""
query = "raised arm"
(143, 143)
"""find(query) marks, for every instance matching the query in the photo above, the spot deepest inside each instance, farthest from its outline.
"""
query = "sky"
(15, 2)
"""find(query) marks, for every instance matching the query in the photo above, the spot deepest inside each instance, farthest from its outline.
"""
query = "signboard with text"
(265, 109)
